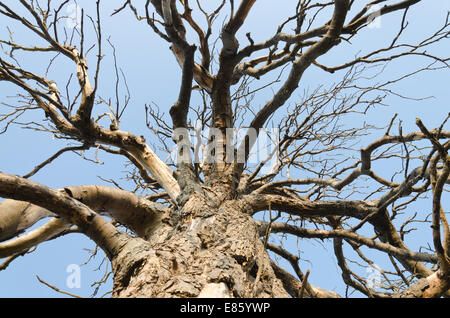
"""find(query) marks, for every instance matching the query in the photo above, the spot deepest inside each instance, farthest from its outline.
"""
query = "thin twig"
(57, 289)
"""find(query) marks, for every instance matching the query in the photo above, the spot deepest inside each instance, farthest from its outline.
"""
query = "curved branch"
(302, 207)
(136, 213)
(322, 234)
(433, 286)
(33, 238)
(293, 286)
(17, 216)
(110, 239)
(299, 66)
(321, 47)
(347, 273)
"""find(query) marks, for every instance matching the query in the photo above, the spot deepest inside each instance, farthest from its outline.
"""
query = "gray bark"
(191, 251)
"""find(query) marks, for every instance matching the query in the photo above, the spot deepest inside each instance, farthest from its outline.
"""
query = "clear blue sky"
(153, 76)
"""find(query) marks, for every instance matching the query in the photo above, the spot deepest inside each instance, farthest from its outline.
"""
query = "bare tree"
(212, 221)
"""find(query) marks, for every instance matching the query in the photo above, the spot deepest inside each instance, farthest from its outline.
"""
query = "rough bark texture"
(432, 286)
(202, 246)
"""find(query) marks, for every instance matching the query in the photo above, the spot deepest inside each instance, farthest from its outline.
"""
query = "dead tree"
(208, 227)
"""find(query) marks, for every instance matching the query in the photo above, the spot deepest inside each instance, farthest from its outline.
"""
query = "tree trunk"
(199, 251)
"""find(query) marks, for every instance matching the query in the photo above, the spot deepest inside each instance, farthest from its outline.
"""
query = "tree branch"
(92, 224)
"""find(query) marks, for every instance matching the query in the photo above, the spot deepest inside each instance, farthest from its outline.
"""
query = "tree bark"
(202, 251)
(433, 286)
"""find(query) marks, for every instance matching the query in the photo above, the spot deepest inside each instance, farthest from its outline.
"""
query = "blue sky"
(153, 77)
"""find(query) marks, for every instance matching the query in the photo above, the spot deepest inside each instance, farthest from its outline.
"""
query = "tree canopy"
(275, 130)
